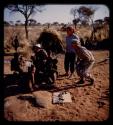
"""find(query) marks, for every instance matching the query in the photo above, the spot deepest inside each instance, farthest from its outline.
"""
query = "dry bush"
(51, 35)
(25, 49)
(9, 36)
(51, 40)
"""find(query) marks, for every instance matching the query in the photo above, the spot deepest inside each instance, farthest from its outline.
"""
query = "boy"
(84, 63)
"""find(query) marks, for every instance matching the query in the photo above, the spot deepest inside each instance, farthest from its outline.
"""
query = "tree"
(74, 12)
(76, 19)
(62, 24)
(6, 23)
(84, 14)
(106, 20)
(106, 25)
(18, 22)
(11, 22)
(26, 11)
(84, 22)
(55, 23)
(99, 21)
(39, 24)
(32, 22)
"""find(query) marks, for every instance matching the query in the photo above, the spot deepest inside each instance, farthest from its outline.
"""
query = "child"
(84, 63)
(70, 55)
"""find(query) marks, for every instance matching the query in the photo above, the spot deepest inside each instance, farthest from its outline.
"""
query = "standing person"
(70, 55)
(84, 63)
(15, 43)
(15, 63)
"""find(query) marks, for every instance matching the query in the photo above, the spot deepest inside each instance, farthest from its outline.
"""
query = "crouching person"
(84, 63)
(39, 59)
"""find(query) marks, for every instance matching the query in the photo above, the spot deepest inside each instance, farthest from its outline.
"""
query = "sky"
(59, 13)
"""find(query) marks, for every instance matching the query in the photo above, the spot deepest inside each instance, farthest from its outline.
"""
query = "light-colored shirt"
(69, 40)
(84, 54)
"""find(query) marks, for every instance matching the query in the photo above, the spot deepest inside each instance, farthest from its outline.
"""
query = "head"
(75, 43)
(70, 30)
(37, 47)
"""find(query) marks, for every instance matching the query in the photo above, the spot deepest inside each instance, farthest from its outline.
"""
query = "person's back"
(40, 60)
(85, 62)
(84, 53)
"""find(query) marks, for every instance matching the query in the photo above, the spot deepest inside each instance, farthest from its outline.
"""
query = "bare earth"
(89, 103)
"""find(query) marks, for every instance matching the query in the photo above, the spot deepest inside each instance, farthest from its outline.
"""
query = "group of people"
(77, 58)
(43, 69)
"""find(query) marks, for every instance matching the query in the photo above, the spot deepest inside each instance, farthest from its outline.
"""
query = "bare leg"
(31, 78)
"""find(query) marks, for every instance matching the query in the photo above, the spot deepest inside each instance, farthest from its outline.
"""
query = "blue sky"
(59, 13)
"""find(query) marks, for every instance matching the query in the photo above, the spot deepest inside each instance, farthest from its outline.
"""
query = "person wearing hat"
(39, 59)
(70, 55)
(40, 55)
(85, 62)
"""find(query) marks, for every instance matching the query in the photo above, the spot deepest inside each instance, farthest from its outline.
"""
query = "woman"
(70, 55)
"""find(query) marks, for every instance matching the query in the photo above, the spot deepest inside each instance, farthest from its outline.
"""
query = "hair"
(70, 28)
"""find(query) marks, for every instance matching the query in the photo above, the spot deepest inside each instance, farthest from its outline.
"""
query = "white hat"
(76, 41)
(38, 45)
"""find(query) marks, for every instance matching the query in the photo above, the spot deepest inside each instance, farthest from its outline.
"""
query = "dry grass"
(34, 34)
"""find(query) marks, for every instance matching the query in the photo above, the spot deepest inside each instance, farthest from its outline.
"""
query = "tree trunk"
(26, 30)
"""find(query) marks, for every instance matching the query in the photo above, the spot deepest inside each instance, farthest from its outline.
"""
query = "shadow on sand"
(28, 98)
(15, 84)
(66, 87)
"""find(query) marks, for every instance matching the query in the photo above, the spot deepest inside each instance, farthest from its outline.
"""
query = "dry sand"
(89, 103)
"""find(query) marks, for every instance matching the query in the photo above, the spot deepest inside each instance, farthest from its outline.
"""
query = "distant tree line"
(32, 22)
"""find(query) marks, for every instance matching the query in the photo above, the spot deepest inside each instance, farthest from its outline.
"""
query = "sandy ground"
(89, 103)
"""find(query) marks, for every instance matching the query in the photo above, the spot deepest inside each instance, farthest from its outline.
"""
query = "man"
(15, 43)
(39, 60)
(84, 63)
(70, 55)
(40, 56)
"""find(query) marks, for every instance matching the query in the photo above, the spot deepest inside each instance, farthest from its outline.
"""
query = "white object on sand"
(61, 97)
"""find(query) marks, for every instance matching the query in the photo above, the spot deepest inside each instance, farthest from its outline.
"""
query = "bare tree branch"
(26, 11)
